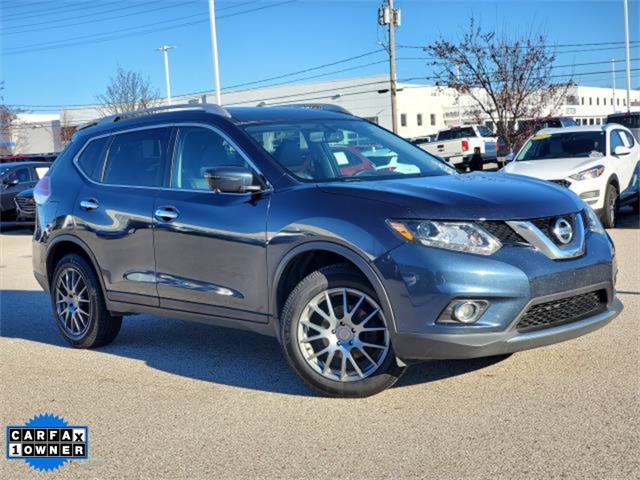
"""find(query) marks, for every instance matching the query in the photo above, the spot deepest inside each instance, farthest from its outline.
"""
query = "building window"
(371, 119)
(403, 119)
(419, 118)
(590, 101)
(624, 102)
(618, 101)
(582, 100)
(591, 121)
(597, 100)
(597, 121)
(433, 118)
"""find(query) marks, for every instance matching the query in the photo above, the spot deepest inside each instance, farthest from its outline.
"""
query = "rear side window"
(485, 131)
(445, 135)
(91, 158)
(136, 158)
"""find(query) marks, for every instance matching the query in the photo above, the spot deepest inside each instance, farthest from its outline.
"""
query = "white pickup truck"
(456, 145)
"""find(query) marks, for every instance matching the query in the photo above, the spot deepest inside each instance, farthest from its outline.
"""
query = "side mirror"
(621, 150)
(230, 179)
(510, 157)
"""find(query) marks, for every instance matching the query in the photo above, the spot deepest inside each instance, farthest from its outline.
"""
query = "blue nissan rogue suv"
(358, 251)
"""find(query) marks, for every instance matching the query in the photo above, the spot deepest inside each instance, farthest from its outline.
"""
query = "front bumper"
(422, 281)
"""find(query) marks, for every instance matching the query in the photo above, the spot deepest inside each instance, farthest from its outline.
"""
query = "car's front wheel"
(79, 306)
(335, 335)
(611, 206)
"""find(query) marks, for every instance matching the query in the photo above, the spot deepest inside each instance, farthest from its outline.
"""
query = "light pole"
(165, 50)
(626, 42)
(214, 49)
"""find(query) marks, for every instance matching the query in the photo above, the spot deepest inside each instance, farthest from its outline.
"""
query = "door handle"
(90, 204)
(166, 214)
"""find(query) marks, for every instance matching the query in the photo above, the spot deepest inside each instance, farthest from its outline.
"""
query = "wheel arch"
(65, 244)
(280, 288)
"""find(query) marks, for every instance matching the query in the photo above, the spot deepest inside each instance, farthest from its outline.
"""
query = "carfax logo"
(47, 442)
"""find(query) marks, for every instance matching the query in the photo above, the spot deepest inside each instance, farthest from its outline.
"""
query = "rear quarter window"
(92, 157)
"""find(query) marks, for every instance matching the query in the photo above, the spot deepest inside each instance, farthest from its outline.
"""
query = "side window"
(198, 149)
(628, 138)
(445, 135)
(136, 158)
(616, 140)
(91, 159)
(23, 174)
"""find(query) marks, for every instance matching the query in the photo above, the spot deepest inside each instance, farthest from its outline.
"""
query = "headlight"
(458, 236)
(593, 172)
(593, 222)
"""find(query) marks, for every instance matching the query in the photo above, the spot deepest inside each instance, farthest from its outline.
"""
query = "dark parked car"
(16, 177)
(242, 218)
(631, 120)
(25, 208)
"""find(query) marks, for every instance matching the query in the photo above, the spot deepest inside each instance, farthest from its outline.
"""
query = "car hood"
(554, 169)
(491, 196)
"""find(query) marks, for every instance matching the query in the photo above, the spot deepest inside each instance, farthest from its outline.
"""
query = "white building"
(34, 133)
(422, 109)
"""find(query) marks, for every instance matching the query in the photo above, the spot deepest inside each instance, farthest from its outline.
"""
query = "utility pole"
(626, 41)
(214, 49)
(388, 15)
(165, 50)
(613, 82)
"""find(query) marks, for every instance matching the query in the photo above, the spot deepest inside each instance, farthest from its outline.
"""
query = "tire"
(611, 206)
(96, 326)
(364, 370)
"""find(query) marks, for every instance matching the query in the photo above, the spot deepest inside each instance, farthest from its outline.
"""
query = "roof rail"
(206, 107)
(329, 107)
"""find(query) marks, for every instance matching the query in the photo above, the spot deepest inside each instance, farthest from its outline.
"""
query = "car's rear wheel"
(335, 334)
(611, 206)
(79, 306)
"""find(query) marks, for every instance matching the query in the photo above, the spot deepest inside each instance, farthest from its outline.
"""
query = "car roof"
(270, 114)
(23, 164)
(581, 128)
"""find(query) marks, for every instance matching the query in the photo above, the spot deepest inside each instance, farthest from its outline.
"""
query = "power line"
(306, 70)
(78, 40)
(58, 10)
(565, 45)
(53, 25)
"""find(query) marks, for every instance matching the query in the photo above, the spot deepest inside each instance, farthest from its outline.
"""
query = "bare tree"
(127, 91)
(507, 79)
(8, 116)
(67, 129)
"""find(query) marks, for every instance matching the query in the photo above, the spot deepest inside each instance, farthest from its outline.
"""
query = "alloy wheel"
(72, 302)
(342, 334)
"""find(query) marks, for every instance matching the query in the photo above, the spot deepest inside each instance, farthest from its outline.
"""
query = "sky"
(63, 52)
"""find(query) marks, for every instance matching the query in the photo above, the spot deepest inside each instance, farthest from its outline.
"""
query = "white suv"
(596, 162)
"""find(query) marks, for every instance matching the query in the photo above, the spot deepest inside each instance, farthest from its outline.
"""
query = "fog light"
(465, 311)
(591, 194)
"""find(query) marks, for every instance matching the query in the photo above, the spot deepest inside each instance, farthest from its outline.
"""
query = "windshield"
(546, 146)
(328, 150)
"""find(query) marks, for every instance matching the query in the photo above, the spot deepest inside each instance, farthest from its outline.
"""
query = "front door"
(210, 247)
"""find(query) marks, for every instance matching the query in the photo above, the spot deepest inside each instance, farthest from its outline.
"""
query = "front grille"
(502, 232)
(562, 183)
(545, 225)
(26, 204)
(563, 310)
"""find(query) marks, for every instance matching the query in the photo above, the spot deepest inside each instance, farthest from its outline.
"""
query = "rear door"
(210, 247)
(114, 211)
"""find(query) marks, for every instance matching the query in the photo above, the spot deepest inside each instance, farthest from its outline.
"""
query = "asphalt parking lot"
(171, 399)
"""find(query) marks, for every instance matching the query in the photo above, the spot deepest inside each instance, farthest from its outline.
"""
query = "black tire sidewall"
(610, 216)
(331, 277)
(94, 291)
